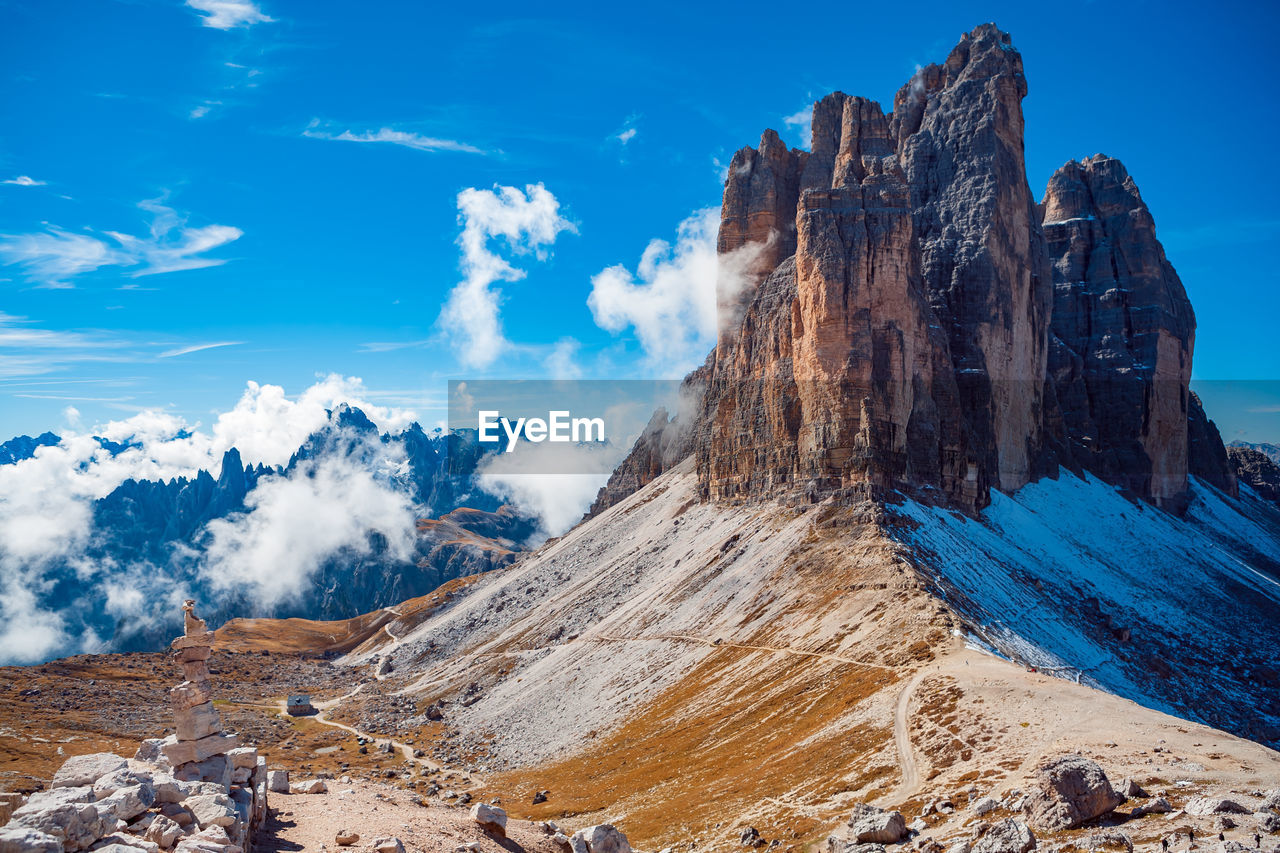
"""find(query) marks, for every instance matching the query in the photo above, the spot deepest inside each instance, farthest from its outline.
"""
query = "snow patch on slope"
(1069, 575)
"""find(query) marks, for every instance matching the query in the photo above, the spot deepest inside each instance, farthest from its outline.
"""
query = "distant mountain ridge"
(1271, 451)
(163, 526)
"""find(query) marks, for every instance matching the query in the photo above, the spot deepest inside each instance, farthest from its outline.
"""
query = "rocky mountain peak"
(915, 321)
(1123, 331)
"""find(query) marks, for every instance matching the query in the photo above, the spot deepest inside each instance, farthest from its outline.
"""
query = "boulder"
(1109, 839)
(211, 809)
(309, 786)
(190, 694)
(750, 837)
(216, 769)
(388, 845)
(127, 803)
(114, 781)
(492, 818)
(278, 781)
(1271, 801)
(23, 839)
(87, 769)
(984, 805)
(197, 722)
(42, 800)
(878, 828)
(1130, 788)
(1204, 806)
(213, 839)
(602, 838)
(75, 825)
(346, 837)
(151, 751)
(1006, 836)
(187, 752)
(1072, 790)
(118, 845)
(244, 756)
(1159, 805)
(163, 831)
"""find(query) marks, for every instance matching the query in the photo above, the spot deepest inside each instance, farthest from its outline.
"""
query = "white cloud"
(24, 181)
(528, 221)
(628, 131)
(46, 504)
(563, 361)
(198, 348)
(557, 500)
(229, 14)
(267, 426)
(293, 523)
(670, 300)
(202, 110)
(54, 256)
(802, 124)
(415, 141)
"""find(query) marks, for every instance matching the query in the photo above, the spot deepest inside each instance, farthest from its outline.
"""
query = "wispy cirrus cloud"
(187, 350)
(229, 14)
(24, 181)
(26, 350)
(55, 256)
(393, 346)
(406, 139)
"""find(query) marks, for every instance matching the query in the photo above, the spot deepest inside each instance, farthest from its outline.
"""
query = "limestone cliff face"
(759, 208)
(1207, 457)
(1124, 332)
(983, 260)
(838, 378)
(916, 322)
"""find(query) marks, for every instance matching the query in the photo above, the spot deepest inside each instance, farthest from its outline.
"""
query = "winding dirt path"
(902, 738)
(404, 749)
(725, 644)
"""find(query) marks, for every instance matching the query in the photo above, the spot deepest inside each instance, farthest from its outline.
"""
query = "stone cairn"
(195, 791)
(200, 753)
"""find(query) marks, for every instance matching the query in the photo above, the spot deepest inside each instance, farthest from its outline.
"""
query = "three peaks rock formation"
(915, 321)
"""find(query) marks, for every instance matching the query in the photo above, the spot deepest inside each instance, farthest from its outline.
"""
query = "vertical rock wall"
(916, 321)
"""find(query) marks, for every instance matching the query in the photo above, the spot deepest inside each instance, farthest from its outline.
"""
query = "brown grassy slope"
(366, 632)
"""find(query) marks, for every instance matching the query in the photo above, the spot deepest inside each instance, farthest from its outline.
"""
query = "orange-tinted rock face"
(760, 195)
(911, 325)
(838, 377)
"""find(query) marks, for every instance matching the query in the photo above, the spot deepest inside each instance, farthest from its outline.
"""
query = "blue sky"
(284, 179)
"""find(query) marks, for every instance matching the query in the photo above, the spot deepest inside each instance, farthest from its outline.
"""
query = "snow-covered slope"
(1179, 614)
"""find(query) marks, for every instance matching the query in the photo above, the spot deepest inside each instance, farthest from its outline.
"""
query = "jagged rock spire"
(914, 341)
(1123, 331)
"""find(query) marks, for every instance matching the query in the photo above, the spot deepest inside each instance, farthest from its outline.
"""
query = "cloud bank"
(292, 521)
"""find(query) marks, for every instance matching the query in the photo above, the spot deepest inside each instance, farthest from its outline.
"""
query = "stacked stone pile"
(193, 792)
(201, 751)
